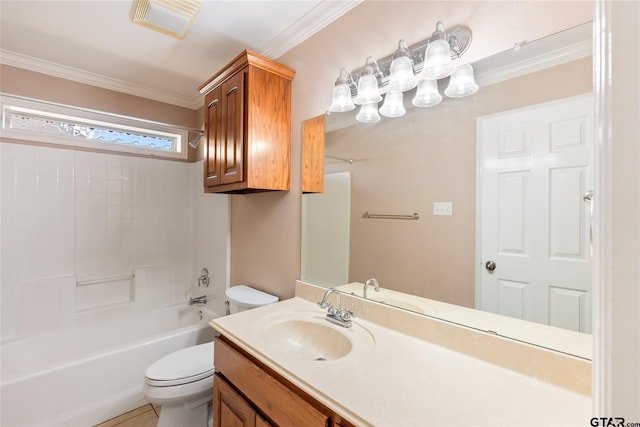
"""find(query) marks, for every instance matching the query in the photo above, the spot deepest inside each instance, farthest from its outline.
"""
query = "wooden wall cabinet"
(247, 393)
(313, 141)
(248, 126)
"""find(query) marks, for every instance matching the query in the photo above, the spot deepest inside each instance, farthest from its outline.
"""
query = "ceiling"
(96, 42)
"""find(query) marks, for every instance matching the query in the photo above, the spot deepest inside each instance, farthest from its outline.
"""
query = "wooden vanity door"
(231, 410)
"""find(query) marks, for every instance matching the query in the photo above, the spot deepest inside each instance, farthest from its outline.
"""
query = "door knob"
(490, 265)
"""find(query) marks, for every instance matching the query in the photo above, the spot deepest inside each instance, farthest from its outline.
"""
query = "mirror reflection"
(497, 181)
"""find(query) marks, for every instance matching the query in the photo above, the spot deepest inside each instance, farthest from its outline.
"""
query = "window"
(33, 120)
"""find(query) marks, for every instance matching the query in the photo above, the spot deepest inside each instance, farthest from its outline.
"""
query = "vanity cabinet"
(248, 126)
(248, 393)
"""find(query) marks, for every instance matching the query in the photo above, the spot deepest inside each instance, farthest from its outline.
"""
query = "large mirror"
(487, 205)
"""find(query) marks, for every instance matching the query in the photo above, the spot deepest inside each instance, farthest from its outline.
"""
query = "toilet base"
(185, 405)
(179, 416)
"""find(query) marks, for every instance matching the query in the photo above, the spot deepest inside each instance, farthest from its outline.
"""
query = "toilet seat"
(184, 366)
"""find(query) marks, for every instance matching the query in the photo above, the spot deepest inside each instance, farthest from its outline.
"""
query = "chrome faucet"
(198, 300)
(324, 303)
(340, 316)
(371, 282)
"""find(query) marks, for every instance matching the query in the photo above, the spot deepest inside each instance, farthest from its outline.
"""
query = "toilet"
(243, 298)
(182, 382)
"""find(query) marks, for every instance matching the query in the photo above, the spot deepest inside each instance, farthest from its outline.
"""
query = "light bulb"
(437, 61)
(393, 104)
(368, 113)
(461, 82)
(367, 90)
(401, 75)
(341, 99)
(427, 94)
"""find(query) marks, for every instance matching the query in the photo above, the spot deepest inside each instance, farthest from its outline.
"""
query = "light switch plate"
(443, 208)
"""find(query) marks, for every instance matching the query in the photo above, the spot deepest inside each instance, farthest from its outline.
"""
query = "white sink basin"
(308, 340)
(307, 336)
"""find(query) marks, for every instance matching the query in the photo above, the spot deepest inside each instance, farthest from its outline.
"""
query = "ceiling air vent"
(171, 17)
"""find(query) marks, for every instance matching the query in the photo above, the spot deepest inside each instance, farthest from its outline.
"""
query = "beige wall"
(404, 165)
(18, 81)
(265, 228)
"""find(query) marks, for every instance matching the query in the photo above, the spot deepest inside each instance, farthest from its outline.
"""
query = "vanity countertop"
(405, 381)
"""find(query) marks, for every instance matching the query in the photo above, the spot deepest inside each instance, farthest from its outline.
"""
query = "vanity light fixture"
(421, 65)
(170, 17)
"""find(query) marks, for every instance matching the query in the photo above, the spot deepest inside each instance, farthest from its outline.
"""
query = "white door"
(535, 165)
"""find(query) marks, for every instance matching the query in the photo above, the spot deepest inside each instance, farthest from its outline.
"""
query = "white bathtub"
(89, 374)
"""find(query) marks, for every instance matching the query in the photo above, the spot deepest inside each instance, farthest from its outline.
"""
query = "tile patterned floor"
(144, 416)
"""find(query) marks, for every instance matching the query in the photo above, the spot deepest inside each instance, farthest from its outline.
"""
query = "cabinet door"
(261, 422)
(313, 141)
(213, 101)
(268, 394)
(230, 409)
(232, 155)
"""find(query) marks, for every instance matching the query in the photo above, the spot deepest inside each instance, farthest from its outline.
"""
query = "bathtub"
(89, 374)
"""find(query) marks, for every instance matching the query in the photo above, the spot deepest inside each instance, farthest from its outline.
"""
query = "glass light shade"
(427, 94)
(341, 99)
(393, 104)
(437, 61)
(402, 77)
(368, 113)
(461, 82)
(368, 92)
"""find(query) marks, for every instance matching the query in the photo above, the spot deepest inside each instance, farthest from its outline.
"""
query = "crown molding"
(74, 74)
(549, 59)
(323, 14)
(316, 19)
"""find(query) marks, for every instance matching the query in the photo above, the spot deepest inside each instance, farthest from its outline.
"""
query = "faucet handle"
(347, 314)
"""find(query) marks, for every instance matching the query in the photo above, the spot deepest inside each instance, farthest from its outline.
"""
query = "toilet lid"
(250, 297)
(186, 365)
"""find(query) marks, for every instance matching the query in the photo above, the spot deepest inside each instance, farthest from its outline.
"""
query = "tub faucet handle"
(203, 280)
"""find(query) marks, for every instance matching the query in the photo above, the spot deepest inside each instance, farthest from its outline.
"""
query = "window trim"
(12, 103)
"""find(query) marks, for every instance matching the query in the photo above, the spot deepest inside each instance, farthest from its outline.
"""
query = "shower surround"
(99, 255)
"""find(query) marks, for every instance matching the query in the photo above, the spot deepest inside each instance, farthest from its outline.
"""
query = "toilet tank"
(243, 298)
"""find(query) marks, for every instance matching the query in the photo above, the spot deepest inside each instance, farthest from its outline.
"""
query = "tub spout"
(198, 300)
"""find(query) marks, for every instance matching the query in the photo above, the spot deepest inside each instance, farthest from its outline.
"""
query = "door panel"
(230, 409)
(213, 132)
(233, 112)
